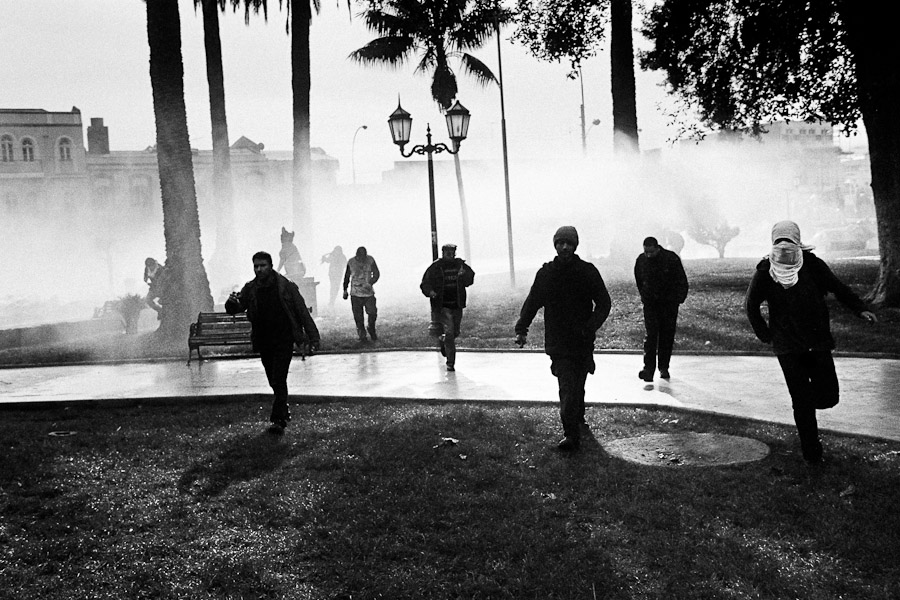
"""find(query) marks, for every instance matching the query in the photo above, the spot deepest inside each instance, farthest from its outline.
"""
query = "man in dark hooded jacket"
(793, 282)
(576, 304)
(279, 318)
(663, 286)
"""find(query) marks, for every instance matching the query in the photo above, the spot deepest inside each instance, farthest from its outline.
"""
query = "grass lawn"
(711, 321)
(363, 501)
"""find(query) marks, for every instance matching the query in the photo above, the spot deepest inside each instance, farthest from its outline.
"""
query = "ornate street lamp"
(400, 123)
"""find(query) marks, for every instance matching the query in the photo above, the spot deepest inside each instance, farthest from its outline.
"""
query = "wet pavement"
(743, 386)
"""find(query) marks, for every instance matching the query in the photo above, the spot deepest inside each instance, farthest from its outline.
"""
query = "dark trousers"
(659, 321)
(276, 360)
(571, 374)
(357, 305)
(812, 383)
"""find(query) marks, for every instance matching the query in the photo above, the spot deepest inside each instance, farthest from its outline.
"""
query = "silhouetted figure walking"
(279, 319)
(663, 286)
(361, 274)
(576, 304)
(336, 264)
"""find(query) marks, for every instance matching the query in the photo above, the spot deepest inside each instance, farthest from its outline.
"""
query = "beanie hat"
(566, 233)
(787, 230)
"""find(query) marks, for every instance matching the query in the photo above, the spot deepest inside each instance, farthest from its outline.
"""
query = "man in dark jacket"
(445, 282)
(279, 319)
(576, 303)
(793, 282)
(663, 286)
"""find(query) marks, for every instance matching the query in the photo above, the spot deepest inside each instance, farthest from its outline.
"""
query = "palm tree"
(187, 292)
(438, 30)
(621, 55)
(223, 259)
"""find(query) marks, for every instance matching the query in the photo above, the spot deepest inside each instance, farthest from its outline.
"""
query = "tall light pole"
(509, 236)
(400, 122)
(583, 130)
(353, 152)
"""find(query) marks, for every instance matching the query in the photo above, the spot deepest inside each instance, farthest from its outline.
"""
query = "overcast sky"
(93, 54)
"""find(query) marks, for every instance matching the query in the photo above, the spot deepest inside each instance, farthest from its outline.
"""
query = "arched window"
(27, 150)
(6, 148)
(65, 149)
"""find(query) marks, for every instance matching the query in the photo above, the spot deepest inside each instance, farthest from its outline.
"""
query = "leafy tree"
(716, 233)
(438, 30)
(188, 289)
(742, 63)
(555, 30)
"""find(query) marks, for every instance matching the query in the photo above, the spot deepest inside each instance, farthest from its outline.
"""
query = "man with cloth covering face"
(793, 282)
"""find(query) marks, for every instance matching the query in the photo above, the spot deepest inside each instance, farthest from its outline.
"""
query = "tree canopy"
(743, 63)
(554, 30)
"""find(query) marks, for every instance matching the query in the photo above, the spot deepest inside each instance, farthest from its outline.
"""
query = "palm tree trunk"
(302, 168)
(467, 248)
(223, 259)
(187, 292)
(625, 128)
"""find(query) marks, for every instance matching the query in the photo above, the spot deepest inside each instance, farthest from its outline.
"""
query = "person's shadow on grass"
(240, 458)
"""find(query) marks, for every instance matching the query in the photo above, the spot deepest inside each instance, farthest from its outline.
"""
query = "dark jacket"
(798, 315)
(576, 304)
(303, 327)
(661, 279)
(433, 281)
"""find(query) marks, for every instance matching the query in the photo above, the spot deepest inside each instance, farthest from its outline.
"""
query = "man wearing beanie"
(445, 282)
(576, 303)
(793, 282)
(663, 286)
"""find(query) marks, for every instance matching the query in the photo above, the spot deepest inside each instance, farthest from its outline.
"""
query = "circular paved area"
(687, 449)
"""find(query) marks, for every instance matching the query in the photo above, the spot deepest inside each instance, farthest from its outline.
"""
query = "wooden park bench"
(218, 329)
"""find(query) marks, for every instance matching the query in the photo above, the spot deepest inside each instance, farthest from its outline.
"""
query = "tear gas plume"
(63, 262)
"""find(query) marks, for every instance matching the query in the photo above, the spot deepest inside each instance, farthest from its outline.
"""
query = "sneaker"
(451, 368)
(664, 373)
(372, 334)
(276, 428)
(646, 375)
(568, 444)
(442, 347)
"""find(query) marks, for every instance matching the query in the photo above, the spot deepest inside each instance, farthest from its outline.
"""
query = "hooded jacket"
(661, 279)
(575, 302)
(798, 315)
(303, 328)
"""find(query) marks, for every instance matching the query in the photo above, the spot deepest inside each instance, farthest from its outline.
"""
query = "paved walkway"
(742, 386)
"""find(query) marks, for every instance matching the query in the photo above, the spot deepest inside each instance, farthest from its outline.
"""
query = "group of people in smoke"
(792, 281)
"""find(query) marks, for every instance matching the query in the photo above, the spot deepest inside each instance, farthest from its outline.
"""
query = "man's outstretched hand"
(520, 340)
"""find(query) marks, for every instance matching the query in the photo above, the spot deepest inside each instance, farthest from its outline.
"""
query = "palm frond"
(392, 50)
(389, 24)
(478, 70)
(251, 6)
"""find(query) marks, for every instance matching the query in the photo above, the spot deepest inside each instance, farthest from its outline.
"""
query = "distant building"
(45, 169)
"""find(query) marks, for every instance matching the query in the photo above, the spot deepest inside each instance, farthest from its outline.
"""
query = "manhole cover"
(688, 449)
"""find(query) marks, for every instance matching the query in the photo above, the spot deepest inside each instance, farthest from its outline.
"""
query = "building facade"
(45, 169)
